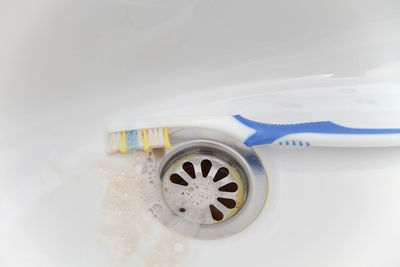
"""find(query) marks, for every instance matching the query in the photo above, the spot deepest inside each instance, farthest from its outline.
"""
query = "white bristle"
(156, 138)
(139, 139)
(113, 142)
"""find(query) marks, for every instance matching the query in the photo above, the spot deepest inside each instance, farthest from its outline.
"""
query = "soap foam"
(132, 209)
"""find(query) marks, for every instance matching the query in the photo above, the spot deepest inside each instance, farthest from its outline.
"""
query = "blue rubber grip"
(267, 133)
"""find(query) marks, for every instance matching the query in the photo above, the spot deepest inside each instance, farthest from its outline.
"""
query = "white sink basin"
(67, 69)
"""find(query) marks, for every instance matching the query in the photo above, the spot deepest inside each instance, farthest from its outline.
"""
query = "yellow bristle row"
(123, 149)
(166, 139)
(145, 136)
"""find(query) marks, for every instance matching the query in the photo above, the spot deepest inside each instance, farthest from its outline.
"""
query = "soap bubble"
(178, 247)
(157, 208)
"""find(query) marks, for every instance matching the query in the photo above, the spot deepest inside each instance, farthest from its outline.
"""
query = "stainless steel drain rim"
(224, 152)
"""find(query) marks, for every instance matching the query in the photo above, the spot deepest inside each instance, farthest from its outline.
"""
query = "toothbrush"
(148, 134)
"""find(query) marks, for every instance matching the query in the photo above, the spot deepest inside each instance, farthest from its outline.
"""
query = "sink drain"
(213, 181)
(204, 186)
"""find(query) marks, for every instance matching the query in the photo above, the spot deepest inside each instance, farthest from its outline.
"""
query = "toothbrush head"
(145, 139)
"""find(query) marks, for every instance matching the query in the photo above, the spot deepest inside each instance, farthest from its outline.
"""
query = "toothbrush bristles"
(146, 139)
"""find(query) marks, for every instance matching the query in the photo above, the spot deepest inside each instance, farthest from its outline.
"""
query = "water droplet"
(150, 212)
(178, 247)
(157, 208)
(144, 169)
(139, 168)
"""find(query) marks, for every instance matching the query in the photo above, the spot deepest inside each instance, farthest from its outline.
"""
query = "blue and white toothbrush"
(153, 133)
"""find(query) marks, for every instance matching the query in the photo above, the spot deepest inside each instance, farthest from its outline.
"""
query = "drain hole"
(177, 179)
(221, 174)
(205, 167)
(227, 202)
(231, 187)
(216, 213)
(182, 210)
(189, 169)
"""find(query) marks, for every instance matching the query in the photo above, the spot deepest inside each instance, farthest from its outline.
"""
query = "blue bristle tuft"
(132, 140)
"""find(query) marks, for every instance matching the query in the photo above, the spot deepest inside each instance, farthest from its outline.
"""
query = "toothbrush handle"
(322, 133)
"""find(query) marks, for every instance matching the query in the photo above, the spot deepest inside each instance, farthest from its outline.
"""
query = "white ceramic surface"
(67, 68)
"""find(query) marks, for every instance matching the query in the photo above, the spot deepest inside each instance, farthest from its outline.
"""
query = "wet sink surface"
(69, 69)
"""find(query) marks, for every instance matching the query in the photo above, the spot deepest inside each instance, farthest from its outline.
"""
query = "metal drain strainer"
(205, 188)
(213, 181)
